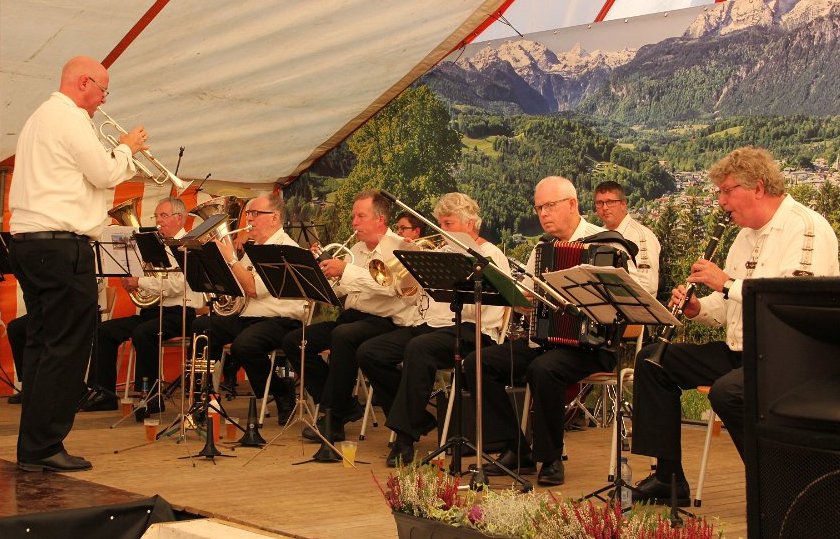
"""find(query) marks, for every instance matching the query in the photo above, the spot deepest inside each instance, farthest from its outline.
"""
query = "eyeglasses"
(253, 214)
(105, 91)
(404, 228)
(548, 206)
(607, 203)
(165, 215)
(728, 190)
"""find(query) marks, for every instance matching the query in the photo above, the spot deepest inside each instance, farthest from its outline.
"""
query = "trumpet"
(162, 176)
(196, 368)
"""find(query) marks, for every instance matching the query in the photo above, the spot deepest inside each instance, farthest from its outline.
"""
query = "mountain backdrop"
(775, 57)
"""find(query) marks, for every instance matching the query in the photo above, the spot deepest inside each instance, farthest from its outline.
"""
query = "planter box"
(411, 527)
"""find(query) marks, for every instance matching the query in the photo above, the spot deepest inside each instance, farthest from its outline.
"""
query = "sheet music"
(118, 252)
(601, 290)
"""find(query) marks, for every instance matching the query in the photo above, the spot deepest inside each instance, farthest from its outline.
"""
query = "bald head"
(555, 200)
(85, 81)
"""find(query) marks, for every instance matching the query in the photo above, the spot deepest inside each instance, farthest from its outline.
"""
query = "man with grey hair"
(428, 345)
(142, 328)
(779, 237)
(549, 370)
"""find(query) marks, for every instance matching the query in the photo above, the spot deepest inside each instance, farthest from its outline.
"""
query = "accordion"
(551, 328)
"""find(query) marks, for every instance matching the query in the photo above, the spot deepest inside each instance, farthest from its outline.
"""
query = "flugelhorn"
(126, 214)
(334, 250)
(162, 176)
(664, 337)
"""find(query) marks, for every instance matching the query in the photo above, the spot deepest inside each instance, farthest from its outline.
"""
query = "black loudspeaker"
(792, 406)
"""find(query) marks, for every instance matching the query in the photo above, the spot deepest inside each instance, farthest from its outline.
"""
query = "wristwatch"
(232, 263)
(729, 283)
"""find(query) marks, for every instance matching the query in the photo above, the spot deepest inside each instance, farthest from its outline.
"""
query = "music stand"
(205, 270)
(459, 279)
(610, 297)
(291, 272)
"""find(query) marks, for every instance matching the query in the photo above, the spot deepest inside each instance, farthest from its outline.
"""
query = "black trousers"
(424, 355)
(656, 395)
(252, 340)
(16, 332)
(59, 289)
(142, 329)
(332, 384)
(549, 373)
(380, 358)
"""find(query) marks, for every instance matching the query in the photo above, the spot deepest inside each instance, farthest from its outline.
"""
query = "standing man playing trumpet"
(264, 322)
(142, 328)
(779, 238)
(63, 184)
(428, 345)
(369, 310)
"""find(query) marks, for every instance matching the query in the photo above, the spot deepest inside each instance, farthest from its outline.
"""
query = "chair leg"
(272, 357)
(129, 372)
(369, 412)
(698, 496)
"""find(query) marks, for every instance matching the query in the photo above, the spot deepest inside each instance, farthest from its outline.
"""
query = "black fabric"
(16, 332)
(142, 329)
(120, 521)
(252, 340)
(657, 390)
(59, 289)
(332, 384)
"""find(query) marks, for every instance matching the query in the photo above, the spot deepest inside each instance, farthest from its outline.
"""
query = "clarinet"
(664, 337)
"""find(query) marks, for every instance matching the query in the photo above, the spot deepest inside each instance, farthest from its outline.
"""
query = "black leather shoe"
(400, 454)
(101, 402)
(652, 490)
(551, 474)
(508, 460)
(17, 398)
(60, 462)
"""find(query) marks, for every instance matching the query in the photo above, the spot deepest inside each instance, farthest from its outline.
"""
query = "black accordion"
(552, 328)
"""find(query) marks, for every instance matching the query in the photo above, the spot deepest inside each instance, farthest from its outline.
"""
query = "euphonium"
(223, 305)
(162, 176)
(126, 214)
(664, 336)
(430, 243)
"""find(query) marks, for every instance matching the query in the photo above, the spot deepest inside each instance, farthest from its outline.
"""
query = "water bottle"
(627, 478)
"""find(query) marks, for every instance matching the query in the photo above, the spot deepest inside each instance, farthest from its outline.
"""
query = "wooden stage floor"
(314, 500)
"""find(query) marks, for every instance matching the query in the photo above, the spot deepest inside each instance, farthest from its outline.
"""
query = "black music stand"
(291, 272)
(205, 270)
(610, 297)
(459, 279)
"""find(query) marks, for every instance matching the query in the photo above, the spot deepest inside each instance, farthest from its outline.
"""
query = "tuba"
(163, 174)
(231, 206)
(126, 214)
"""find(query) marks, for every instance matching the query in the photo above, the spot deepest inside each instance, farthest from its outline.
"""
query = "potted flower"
(427, 504)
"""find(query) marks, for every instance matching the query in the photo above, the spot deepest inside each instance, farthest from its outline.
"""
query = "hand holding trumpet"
(333, 268)
(135, 139)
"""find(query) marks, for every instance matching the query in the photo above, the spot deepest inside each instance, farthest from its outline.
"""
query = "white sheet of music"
(119, 252)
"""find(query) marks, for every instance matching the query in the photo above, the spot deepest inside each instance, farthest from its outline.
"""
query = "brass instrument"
(334, 250)
(195, 369)
(430, 243)
(162, 176)
(223, 305)
(665, 334)
(126, 214)
(391, 273)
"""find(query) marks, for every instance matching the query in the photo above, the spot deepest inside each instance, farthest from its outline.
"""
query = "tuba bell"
(232, 206)
(126, 214)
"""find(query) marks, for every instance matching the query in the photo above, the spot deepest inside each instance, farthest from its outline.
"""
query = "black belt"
(30, 236)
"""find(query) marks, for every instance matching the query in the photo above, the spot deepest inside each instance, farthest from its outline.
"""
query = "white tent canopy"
(254, 90)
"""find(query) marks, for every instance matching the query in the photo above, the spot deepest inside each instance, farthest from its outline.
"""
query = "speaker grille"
(798, 489)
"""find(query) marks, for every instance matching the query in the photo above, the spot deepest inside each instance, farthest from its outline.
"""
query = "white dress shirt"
(439, 314)
(64, 178)
(265, 304)
(366, 295)
(647, 260)
(796, 239)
